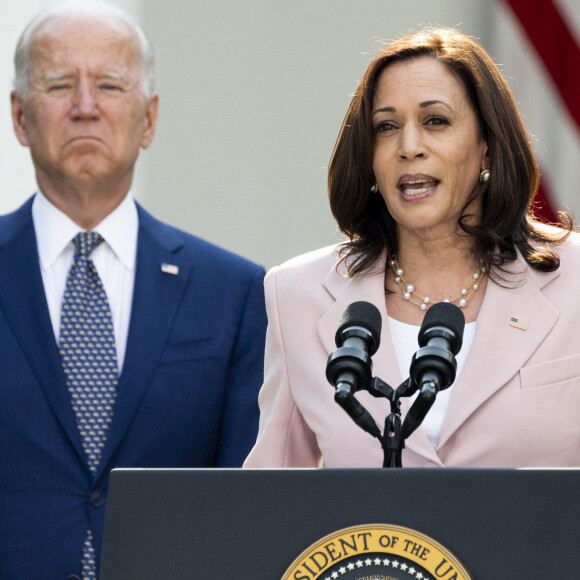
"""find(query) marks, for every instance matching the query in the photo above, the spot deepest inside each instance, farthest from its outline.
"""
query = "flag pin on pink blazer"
(170, 268)
(519, 323)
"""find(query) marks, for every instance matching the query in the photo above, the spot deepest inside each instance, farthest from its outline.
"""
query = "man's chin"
(87, 167)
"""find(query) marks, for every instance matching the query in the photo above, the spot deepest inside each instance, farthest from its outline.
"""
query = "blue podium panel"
(253, 524)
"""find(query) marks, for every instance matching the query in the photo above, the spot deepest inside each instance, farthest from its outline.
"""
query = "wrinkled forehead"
(67, 35)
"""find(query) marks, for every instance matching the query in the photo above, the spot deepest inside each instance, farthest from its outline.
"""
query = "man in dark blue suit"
(188, 318)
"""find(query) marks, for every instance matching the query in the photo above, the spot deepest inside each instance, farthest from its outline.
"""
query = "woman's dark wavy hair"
(507, 223)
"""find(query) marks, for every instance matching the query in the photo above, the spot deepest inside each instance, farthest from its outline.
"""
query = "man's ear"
(18, 118)
(151, 111)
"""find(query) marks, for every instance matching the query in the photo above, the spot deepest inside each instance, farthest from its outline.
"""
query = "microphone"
(349, 367)
(433, 367)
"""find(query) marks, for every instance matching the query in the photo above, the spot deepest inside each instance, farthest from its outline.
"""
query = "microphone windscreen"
(362, 314)
(446, 315)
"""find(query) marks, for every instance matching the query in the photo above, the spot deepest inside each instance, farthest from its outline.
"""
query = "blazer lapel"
(370, 287)
(499, 345)
(23, 302)
(520, 298)
(345, 290)
(161, 278)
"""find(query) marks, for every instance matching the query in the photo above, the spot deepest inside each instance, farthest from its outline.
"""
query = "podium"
(253, 524)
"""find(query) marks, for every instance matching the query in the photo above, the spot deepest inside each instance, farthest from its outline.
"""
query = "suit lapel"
(23, 301)
(497, 344)
(157, 295)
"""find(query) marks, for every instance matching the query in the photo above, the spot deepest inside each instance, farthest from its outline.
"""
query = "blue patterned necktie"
(89, 359)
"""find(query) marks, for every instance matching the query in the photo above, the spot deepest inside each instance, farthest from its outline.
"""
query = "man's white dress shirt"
(114, 260)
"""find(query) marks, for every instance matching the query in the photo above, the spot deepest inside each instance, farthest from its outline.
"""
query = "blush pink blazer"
(516, 402)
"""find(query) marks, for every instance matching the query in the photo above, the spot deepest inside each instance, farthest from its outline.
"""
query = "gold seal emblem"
(376, 552)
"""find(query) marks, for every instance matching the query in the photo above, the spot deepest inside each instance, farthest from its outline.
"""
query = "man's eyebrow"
(57, 76)
(113, 75)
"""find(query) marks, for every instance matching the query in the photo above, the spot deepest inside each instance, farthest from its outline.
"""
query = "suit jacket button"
(97, 499)
(73, 577)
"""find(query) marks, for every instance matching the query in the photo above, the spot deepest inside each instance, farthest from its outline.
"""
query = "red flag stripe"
(543, 208)
(555, 45)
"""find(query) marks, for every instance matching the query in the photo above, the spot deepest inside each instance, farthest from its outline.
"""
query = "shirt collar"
(55, 230)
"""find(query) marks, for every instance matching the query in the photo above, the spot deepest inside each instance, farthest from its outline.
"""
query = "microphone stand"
(433, 368)
(394, 434)
(392, 440)
(429, 369)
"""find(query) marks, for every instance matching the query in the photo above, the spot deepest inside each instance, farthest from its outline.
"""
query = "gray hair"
(82, 10)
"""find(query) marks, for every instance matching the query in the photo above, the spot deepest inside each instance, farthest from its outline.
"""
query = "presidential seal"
(376, 552)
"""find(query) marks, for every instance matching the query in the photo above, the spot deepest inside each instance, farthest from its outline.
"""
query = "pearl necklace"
(424, 302)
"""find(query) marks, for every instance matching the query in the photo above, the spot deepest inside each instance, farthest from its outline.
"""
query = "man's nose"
(85, 103)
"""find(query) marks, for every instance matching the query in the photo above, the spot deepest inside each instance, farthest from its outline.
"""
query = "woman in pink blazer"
(432, 180)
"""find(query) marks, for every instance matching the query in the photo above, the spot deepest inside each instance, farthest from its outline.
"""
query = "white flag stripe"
(555, 135)
(570, 11)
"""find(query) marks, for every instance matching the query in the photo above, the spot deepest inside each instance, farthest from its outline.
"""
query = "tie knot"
(85, 243)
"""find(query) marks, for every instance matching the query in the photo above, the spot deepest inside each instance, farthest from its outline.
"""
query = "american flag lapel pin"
(170, 269)
(518, 323)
